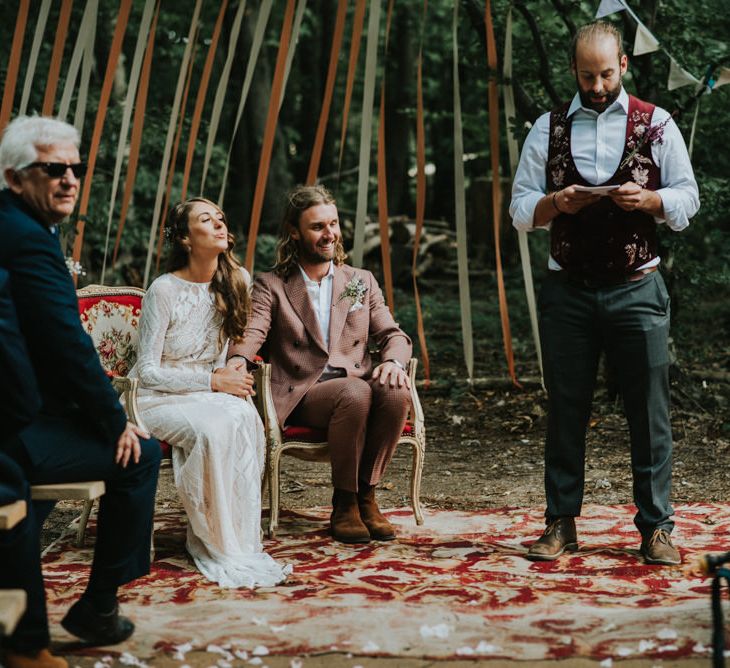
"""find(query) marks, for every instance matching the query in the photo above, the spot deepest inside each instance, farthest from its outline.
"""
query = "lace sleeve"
(153, 324)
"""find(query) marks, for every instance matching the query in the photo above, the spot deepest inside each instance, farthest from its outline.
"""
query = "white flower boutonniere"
(355, 290)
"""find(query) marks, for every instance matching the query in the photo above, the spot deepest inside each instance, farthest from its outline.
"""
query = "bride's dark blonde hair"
(230, 291)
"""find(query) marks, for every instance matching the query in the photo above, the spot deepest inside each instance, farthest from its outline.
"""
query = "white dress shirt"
(597, 144)
(320, 295)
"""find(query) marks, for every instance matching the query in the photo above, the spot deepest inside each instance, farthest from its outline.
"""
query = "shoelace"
(660, 536)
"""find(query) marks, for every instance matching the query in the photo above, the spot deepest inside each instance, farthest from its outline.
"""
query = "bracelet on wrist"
(555, 203)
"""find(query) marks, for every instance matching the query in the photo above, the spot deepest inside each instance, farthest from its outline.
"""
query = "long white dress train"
(218, 440)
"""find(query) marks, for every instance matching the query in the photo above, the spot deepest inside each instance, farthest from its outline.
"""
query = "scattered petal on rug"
(459, 586)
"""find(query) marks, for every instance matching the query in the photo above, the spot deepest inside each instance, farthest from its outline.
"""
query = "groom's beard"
(610, 95)
(315, 255)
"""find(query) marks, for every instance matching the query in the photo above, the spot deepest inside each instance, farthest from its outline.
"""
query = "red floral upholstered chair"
(110, 316)
(311, 444)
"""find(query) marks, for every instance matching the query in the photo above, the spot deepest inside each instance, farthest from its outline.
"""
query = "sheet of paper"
(596, 190)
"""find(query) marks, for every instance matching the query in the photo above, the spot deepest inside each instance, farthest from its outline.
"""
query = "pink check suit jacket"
(283, 318)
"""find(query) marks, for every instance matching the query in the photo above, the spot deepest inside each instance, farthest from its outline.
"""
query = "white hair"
(24, 135)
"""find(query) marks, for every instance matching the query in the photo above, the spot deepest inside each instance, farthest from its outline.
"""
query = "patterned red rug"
(457, 587)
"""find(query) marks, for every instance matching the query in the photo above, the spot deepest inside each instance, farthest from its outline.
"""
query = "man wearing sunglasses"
(81, 432)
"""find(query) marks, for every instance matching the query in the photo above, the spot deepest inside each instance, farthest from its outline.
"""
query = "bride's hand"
(233, 381)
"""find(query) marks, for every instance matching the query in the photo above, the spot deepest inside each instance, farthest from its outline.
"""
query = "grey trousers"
(630, 322)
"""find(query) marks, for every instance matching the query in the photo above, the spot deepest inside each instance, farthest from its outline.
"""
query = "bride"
(188, 397)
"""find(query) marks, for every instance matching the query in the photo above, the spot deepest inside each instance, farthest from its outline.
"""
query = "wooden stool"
(11, 514)
(12, 607)
(74, 491)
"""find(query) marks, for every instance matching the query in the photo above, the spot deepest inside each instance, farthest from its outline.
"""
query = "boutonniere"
(653, 134)
(355, 290)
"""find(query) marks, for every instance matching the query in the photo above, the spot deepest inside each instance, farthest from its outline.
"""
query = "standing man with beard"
(316, 315)
(603, 291)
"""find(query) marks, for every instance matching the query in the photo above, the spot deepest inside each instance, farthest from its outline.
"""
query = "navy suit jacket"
(20, 400)
(70, 378)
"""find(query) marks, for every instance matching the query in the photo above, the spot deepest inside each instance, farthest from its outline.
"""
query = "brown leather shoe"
(559, 536)
(658, 549)
(41, 659)
(345, 523)
(378, 526)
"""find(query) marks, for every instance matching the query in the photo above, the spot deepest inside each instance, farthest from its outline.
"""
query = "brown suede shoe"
(659, 549)
(345, 523)
(41, 659)
(378, 526)
(559, 536)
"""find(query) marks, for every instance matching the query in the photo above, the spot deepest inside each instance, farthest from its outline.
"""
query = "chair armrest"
(127, 389)
(265, 403)
(416, 408)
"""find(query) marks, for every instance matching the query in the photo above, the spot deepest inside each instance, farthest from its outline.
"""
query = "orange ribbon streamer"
(140, 106)
(16, 50)
(496, 187)
(328, 90)
(200, 99)
(383, 184)
(420, 204)
(269, 133)
(357, 25)
(56, 58)
(116, 48)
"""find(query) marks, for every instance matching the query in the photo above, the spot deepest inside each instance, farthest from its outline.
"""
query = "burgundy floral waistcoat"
(602, 242)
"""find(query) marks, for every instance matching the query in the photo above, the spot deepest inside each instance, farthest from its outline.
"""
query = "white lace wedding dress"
(217, 438)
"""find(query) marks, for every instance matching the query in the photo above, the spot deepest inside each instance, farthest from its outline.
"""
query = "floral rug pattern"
(459, 586)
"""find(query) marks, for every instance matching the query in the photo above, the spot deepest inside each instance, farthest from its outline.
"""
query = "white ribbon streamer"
(86, 69)
(78, 52)
(40, 28)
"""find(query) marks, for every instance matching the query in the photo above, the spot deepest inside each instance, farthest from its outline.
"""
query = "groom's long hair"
(287, 249)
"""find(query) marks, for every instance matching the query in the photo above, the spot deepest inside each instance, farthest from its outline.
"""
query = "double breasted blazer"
(283, 318)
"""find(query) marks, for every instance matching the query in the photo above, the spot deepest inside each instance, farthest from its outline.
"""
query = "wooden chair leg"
(274, 459)
(416, 473)
(83, 521)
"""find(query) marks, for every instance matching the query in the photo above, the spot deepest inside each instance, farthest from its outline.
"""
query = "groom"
(316, 316)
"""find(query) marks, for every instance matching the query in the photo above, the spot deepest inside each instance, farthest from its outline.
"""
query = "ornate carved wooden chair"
(311, 444)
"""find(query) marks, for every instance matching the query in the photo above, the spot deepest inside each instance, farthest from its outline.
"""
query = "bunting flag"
(35, 49)
(134, 73)
(522, 236)
(460, 206)
(497, 188)
(679, 77)
(140, 107)
(11, 76)
(220, 93)
(328, 90)
(88, 21)
(609, 7)
(366, 131)
(357, 24)
(420, 201)
(200, 98)
(723, 77)
(258, 38)
(182, 77)
(54, 70)
(120, 28)
(267, 144)
(644, 42)
(383, 183)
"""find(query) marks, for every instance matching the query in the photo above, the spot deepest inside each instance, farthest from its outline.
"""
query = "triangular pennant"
(723, 77)
(678, 76)
(644, 42)
(609, 7)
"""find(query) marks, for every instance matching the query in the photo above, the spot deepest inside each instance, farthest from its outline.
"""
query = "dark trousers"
(364, 421)
(57, 450)
(630, 322)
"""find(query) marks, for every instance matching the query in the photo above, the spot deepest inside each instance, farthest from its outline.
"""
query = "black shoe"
(95, 628)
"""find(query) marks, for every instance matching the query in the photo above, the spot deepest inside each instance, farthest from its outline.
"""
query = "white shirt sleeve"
(530, 182)
(154, 321)
(679, 193)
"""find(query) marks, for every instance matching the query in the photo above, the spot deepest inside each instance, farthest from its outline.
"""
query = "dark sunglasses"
(57, 169)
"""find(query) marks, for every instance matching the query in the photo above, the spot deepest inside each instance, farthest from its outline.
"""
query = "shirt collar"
(621, 102)
(309, 281)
